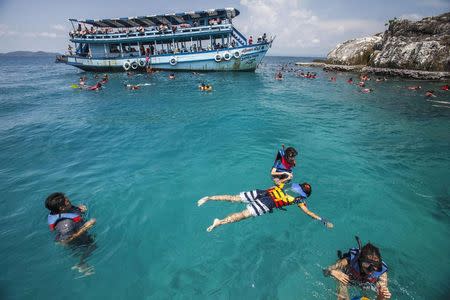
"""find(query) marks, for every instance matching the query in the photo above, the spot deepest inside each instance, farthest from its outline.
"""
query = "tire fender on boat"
(134, 65)
(237, 54)
(227, 56)
(141, 63)
(173, 61)
(126, 65)
(218, 57)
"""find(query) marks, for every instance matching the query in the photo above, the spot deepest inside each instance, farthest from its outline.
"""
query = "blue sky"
(302, 27)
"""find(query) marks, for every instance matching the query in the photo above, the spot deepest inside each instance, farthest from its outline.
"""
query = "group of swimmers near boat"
(82, 84)
(363, 79)
(360, 266)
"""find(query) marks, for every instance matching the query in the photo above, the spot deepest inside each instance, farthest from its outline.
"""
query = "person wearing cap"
(281, 171)
(260, 202)
(362, 267)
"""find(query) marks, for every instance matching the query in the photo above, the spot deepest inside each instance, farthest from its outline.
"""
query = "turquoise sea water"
(379, 165)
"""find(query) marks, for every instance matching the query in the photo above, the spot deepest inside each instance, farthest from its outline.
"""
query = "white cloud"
(59, 27)
(297, 27)
(43, 34)
(6, 31)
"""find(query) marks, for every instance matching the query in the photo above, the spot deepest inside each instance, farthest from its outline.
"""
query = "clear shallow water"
(378, 163)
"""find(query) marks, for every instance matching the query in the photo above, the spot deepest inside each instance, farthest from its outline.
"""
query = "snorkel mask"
(369, 265)
(297, 188)
(366, 264)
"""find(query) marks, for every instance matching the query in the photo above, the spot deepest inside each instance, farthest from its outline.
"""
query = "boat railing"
(152, 33)
(137, 54)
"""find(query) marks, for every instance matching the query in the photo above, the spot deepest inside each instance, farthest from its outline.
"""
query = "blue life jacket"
(53, 219)
(280, 164)
(365, 282)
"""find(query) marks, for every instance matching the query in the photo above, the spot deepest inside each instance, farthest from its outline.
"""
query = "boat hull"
(245, 58)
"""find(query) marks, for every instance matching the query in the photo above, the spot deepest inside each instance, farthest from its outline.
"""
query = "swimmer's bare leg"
(231, 198)
(236, 217)
(342, 292)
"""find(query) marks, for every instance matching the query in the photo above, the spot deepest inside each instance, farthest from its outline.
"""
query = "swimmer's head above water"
(289, 154)
(57, 203)
(369, 259)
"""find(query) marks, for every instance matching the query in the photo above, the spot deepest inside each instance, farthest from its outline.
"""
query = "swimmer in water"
(67, 221)
(205, 87)
(445, 87)
(279, 76)
(430, 93)
(414, 88)
(350, 81)
(132, 87)
(361, 267)
(260, 202)
(172, 76)
(105, 79)
(96, 87)
(285, 161)
(366, 91)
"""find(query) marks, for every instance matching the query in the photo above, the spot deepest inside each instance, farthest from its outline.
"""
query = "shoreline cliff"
(419, 50)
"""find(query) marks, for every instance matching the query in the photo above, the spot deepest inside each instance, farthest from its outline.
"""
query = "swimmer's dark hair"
(306, 187)
(290, 152)
(54, 202)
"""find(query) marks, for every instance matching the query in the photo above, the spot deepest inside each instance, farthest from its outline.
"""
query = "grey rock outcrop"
(422, 45)
(354, 52)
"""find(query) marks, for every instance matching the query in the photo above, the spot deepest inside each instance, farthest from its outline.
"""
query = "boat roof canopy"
(167, 19)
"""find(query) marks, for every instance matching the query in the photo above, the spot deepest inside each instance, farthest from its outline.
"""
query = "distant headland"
(419, 50)
(28, 54)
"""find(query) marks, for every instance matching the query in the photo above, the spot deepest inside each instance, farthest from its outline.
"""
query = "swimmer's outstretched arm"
(82, 230)
(83, 208)
(314, 216)
(382, 288)
(343, 279)
(280, 177)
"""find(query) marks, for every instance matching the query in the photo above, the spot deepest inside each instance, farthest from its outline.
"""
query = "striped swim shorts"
(258, 202)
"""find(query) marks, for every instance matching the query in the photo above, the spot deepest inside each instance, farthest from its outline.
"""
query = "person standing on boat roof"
(362, 267)
(260, 202)
(250, 40)
(282, 167)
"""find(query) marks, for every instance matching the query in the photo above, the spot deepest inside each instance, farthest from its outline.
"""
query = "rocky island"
(419, 50)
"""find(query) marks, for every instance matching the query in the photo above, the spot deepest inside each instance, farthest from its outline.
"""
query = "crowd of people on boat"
(83, 31)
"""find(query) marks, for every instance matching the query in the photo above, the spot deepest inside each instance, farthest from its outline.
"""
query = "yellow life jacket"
(280, 197)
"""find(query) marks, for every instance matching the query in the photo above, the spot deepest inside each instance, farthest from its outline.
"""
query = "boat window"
(131, 47)
(114, 48)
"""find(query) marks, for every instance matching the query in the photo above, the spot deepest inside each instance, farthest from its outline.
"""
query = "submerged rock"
(422, 45)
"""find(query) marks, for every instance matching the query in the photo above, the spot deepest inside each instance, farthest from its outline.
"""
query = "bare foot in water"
(202, 201)
(214, 225)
